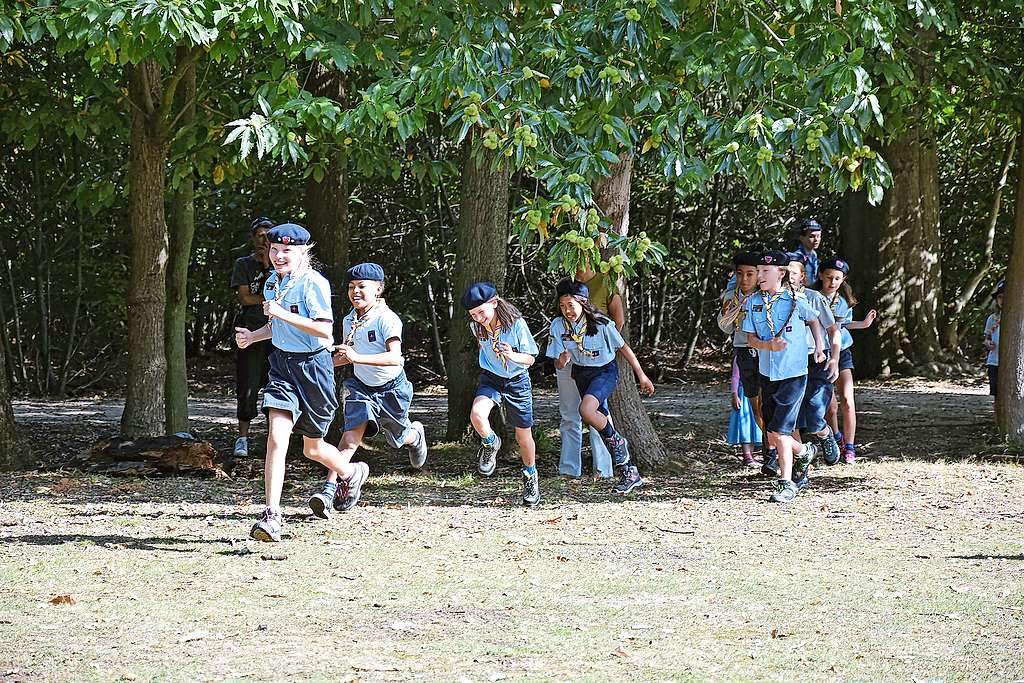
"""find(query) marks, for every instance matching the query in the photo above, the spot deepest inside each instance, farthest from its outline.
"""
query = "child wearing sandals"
(743, 428)
(585, 338)
(507, 351)
(299, 395)
(379, 394)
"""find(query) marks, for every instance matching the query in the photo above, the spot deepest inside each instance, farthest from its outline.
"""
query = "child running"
(299, 395)
(582, 336)
(833, 285)
(379, 394)
(992, 339)
(775, 321)
(507, 351)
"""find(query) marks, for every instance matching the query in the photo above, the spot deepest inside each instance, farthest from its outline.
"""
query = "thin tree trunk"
(612, 195)
(481, 255)
(16, 319)
(1010, 399)
(705, 276)
(76, 308)
(144, 398)
(12, 454)
(182, 230)
(435, 328)
(662, 295)
(951, 329)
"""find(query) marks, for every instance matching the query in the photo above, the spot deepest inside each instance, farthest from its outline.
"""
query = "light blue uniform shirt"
(791, 361)
(992, 330)
(810, 265)
(310, 297)
(819, 304)
(598, 349)
(372, 338)
(521, 341)
(843, 314)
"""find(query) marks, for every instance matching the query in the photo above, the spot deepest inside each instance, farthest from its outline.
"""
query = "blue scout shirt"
(810, 264)
(791, 361)
(371, 337)
(309, 296)
(735, 327)
(843, 314)
(589, 351)
(992, 332)
(521, 341)
(819, 304)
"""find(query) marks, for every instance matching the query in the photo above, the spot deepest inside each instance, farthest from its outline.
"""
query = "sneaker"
(241, 447)
(785, 491)
(619, 448)
(349, 490)
(849, 454)
(268, 527)
(320, 503)
(801, 480)
(418, 448)
(531, 488)
(770, 468)
(802, 460)
(628, 480)
(748, 461)
(489, 457)
(830, 448)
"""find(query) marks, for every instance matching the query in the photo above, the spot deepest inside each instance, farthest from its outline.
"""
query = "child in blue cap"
(300, 394)
(589, 341)
(992, 339)
(775, 321)
(808, 241)
(379, 394)
(507, 351)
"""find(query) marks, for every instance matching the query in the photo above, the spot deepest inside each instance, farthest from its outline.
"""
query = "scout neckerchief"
(294, 279)
(769, 301)
(577, 336)
(739, 304)
(493, 337)
(358, 321)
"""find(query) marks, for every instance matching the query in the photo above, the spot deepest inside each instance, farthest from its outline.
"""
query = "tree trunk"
(705, 277)
(12, 454)
(662, 292)
(182, 230)
(628, 412)
(481, 255)
(1010, 401)
(924, 285)
(144, 396)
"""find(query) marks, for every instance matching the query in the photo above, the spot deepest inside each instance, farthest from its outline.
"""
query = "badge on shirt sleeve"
(294, 308)
(371, 336)
(789, 328)
(759, 309)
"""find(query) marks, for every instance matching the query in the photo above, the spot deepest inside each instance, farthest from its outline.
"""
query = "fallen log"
(153, 455)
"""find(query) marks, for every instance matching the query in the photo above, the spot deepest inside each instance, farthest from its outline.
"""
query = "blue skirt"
(742, 425)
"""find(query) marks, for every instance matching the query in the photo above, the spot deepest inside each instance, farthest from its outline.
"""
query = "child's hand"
(503, 348)
(777, 344)
(646, 385)
(736, 401)
(272, 309)
(870, 317)
(563, 359)
(347, 353)
(833, 369)
(819, 355)
(243, 337)
(338, 358)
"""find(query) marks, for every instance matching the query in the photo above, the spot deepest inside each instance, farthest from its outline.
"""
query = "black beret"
(259, 223)
(835, 264)
(810, 225)
(572, 288)
(1000, 288)
(773, 257)
(796, 256)
(745, 258)
(365, 271)
(288, 233)
(478, 293)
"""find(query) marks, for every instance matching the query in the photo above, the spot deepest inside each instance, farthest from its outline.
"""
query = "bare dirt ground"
(905, 566)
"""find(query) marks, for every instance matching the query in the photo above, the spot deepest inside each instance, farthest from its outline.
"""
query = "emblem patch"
(371, 335)
(295, 308)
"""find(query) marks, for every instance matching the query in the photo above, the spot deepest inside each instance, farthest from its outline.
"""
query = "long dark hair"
(506, 313)
(845, 290)
(593, 316)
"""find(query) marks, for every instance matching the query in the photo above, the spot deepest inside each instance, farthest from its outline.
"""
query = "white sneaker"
(241, 447)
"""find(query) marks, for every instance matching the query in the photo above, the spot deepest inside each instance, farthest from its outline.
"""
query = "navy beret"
(478, 293)
(288, 233)
(835, 264)
(572, 288)
(745, 258)
(810, 225)
(796, 256)
(773, 258)
(259, 223)
(365, 271)
(1000, 288)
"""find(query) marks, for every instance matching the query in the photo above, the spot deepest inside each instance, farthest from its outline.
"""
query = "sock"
(851, 447)
(607, 431)
(330, 487)
(530, 469)
(489, 439)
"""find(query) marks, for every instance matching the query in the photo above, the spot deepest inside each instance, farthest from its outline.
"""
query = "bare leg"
(849, 408)
(279, 430)
(527, 447)
(479, 416)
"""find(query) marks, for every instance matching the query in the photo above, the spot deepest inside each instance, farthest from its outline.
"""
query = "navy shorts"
(817, 396)
(993, 379)
(846, 359)
(515, 392)
(780, 403)
(750, 375)
(384, 408)
(302, 384)
(598, 381)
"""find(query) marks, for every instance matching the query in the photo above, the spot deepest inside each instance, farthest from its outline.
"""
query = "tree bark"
(12, 454)
(924, 285)
(144, 396)
(482, 255)
(705, 277)
(1010, 399)
(662, 292)
(182, 230)
(611, 194)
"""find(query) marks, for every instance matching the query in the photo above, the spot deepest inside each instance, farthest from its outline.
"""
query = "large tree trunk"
(182, 230)
(628, 412)
(924, 287)
(12, 454)
(482, 255)
(1010, 401)
(144, 396)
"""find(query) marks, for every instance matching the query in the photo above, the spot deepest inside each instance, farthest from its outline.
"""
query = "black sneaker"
(785, 491)
(320, 503)
(830, 448)
(268, 527)
(802, 460)
(619, 448)
(801, 480)
(531, 488)
(770, 468)
(349, 490)
(418, 449)
(488, 456)
(629, 479)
